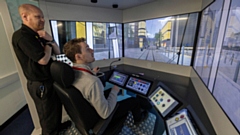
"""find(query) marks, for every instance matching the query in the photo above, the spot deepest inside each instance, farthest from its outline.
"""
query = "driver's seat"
(84, 116)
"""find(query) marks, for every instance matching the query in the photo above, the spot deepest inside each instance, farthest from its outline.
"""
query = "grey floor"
(144, 128)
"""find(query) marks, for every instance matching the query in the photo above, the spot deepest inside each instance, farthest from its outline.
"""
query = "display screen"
(118, 78)
(180, 124)
(138, 85)
(164, 102)
(155, 39)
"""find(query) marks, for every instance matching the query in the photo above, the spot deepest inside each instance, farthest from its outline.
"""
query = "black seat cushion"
(62, 73)
(78, 108)
(82, 113)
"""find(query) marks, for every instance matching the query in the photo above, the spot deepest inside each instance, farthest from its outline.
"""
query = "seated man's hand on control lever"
(116, 88)
(96, 70)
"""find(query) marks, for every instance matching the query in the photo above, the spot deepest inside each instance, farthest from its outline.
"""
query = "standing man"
(78, 51)
(33, 47)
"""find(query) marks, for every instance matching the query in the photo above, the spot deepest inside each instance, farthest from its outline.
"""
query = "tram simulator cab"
(173, 109)
(172, 114)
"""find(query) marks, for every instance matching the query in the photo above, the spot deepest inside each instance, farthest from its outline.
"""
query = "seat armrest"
(102, 124)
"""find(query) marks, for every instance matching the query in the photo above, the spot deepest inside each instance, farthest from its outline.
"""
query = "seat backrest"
(78, 108)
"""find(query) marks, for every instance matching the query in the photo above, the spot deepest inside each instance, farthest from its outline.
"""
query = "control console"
(138, 85)
(180, 124)
(118, 78)
(163, 101)
(130, 82)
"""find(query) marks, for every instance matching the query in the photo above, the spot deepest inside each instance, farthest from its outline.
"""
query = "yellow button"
(176, 119)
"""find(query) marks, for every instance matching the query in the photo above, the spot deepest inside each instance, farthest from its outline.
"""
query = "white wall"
(161, 8)
(159, 66)
(206, 3)
(57, 11)
(11, 92)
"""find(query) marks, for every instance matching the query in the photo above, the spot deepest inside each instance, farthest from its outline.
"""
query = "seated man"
(92, 88)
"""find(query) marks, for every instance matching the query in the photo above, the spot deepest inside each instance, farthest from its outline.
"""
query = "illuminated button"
(176, 119)
(158, 103)
(182, 116)
(168, 100)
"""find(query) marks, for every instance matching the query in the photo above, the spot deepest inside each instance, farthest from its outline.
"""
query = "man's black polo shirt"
(29, 50)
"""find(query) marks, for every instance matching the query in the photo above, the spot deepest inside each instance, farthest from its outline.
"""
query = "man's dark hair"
(72, 47)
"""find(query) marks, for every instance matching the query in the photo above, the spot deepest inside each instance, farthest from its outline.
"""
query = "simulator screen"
(118, 78)
(226, 81)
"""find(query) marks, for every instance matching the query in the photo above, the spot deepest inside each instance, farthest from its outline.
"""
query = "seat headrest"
(62, 73)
